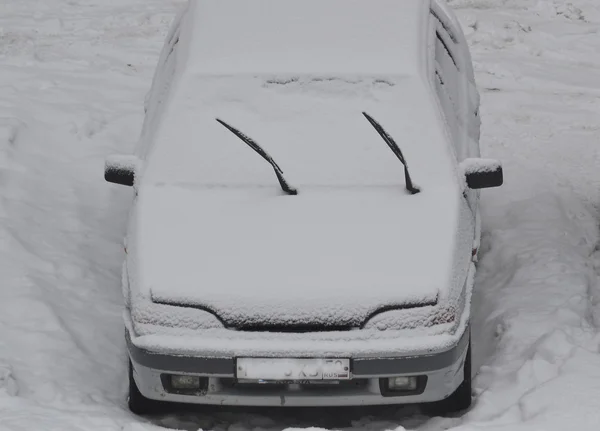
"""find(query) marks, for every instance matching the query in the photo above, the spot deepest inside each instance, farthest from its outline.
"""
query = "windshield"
(312, 126)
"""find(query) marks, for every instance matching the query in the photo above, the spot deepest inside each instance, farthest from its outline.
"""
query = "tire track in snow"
(542, 308)
(536, 283)
(77, 98)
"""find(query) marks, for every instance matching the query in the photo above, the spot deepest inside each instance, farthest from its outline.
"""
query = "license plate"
(280, 369)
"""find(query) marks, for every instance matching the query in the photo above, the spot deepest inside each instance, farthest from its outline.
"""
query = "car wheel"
(459, 400)
(139, 404)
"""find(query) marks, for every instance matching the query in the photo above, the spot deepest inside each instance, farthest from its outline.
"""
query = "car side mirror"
(482, 173)
(121, 169)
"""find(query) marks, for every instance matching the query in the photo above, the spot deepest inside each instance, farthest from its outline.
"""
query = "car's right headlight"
(444, 318)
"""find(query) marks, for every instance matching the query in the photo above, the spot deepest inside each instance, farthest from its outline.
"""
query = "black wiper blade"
(252, 144)
(396, 150)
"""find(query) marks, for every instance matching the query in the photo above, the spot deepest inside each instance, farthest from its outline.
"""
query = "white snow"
(122, 162)
(284, 36)
(73, 81)
(480, 165)
(212, 258)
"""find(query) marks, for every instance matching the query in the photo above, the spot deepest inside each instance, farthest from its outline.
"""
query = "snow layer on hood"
(324, 257)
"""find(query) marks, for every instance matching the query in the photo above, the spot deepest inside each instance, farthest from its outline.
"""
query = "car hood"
(328, 258)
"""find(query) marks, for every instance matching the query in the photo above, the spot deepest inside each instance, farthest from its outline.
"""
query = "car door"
(161, 84)
(153, 108)
(457, 96)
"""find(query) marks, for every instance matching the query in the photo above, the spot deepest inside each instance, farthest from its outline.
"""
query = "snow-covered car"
(305, 220)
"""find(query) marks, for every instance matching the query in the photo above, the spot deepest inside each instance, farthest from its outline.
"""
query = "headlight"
(148, 317)
(413, 318)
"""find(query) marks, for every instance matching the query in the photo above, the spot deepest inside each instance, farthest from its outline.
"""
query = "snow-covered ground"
(73, 76)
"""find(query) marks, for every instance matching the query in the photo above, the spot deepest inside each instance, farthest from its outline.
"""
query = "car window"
(160, 86)
(448, 84)
(158, 95)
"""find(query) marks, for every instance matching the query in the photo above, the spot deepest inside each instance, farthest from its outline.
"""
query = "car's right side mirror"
(482, 173)
(121, 169)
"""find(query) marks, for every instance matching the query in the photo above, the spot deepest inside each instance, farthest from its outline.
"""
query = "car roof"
(308, 36)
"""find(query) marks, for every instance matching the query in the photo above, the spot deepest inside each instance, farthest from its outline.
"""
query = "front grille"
(305, 386)
(247, 325)
(291, 328)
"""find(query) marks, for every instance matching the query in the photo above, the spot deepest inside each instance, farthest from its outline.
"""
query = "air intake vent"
(291, 328)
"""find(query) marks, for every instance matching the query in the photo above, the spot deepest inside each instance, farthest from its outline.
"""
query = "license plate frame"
(293, 369)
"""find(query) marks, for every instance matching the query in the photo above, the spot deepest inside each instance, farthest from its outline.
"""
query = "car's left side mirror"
(482, 173)
(121, 169)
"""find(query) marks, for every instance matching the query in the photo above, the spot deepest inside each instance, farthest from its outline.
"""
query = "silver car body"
(221, 266)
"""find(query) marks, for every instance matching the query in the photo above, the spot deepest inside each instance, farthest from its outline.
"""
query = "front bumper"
(444, 371)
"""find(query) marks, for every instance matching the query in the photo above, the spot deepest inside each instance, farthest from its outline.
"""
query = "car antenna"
(412, 189)
(252, 144)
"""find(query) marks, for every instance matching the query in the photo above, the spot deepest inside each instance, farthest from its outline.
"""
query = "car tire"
(459, 400)
(139, 404)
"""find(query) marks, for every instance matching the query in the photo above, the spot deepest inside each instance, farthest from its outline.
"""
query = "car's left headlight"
(148, 317)
(443, 317)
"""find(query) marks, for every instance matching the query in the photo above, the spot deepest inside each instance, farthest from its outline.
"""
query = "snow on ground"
(73, 78)
(72, 83)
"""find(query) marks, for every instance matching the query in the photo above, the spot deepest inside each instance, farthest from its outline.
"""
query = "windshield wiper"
(252, 144)
(396, 150)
